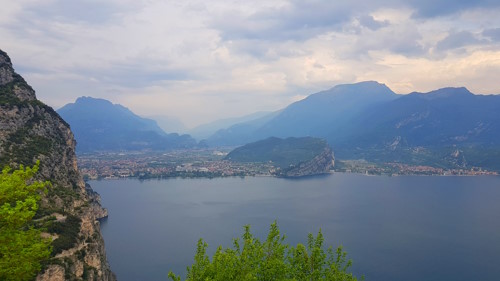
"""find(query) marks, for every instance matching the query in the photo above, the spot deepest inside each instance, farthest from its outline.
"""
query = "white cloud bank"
(204, 60)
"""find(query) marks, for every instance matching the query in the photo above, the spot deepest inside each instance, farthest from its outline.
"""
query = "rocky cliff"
(292, 157)
(320, 164)
(31, 131)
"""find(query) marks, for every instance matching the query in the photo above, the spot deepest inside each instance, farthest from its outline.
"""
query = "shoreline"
(291, 178)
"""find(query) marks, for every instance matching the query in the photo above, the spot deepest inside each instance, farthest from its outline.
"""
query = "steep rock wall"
(31, 131)
(320, 164)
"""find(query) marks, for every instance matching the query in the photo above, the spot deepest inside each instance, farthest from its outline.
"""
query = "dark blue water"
(394, 228)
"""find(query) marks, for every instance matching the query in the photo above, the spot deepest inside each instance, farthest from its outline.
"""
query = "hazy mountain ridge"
(449, 127)
(240, 133)
(100, 125)
(442, 117)
(204, 131)
(319, 115)
(169, 123)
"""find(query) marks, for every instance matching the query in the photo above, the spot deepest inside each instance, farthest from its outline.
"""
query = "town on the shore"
(210, 163)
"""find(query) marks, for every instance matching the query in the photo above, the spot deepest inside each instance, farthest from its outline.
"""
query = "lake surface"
(393, 228)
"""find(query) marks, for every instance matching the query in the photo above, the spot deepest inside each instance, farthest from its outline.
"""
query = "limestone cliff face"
(31, 131)
(320, 164)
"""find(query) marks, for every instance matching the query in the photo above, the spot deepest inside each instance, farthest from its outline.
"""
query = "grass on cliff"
(67, 231)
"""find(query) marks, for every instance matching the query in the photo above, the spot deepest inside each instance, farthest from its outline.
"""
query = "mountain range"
(204, 131)
(100, 125)
(320, 114)
(449, 127)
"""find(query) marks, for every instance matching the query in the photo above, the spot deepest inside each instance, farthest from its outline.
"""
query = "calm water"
(394, 228)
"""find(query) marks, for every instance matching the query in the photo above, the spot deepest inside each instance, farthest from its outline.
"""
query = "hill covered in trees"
(291, 156)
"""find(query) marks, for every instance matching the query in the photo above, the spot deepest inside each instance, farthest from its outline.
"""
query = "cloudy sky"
(204, 60)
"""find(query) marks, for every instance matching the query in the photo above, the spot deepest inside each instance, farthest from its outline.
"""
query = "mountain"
(321, 114)
(30, 131)
(449, 125)
(169, 123)
(292, 156)
(240, 133)
(99, 125)
(206, 130)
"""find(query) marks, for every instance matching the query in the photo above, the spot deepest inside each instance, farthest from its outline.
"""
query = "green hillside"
(281, 152)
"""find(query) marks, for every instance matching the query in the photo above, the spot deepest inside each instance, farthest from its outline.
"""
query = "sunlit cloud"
(201, 61)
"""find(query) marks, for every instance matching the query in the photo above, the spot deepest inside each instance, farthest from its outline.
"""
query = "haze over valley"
(443, 130)
(249, 140)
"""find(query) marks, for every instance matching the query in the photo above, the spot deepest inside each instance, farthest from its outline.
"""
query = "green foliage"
(67, 231)
(271, 259)
(24, 148)
(281, 152)
(23, 145)
(21, 246)
(7, 96)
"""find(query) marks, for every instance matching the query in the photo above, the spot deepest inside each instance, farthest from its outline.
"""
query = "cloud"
(456, 40)
(296, 20)
(369, 22)
(403, 39)
(493, 34)
(135, 74)
(88, 11)
(203, 60)
(437, 8)
(301, 20)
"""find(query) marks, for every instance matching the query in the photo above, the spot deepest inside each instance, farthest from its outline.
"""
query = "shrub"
(269, 260)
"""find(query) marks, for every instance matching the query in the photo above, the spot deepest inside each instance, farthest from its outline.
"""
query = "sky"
(200, 61)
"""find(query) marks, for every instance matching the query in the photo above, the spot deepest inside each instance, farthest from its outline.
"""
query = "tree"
(21, 246)
(272, 259)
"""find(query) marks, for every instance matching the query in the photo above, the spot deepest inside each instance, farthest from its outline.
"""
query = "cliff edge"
(292, 157)
(31, 131)
(320, 164)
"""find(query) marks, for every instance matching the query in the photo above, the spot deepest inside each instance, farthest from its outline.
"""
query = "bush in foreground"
(21, 246)
(271, 259)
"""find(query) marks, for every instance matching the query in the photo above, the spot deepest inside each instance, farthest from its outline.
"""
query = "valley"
(210, 163)
(442, 132)
(249, 140)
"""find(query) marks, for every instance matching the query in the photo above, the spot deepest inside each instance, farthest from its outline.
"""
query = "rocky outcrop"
(320, 164)
(95, 203)
(291, 157)
(31, 131)
(6, 73)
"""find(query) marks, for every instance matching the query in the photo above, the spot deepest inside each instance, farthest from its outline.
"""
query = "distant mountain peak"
(368, 84)
(100, 125)
(362, 92)
(451, 90)
(363, 83)
(446, 93)
(84, 99)
(371, 88)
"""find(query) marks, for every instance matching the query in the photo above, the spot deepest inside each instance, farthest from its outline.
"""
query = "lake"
(393, 228)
